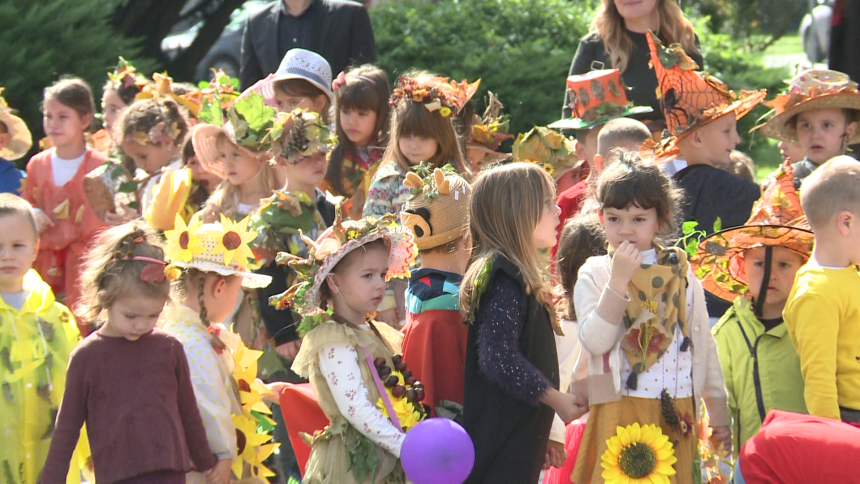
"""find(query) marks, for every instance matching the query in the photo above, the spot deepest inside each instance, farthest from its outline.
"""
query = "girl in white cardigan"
(649, 354)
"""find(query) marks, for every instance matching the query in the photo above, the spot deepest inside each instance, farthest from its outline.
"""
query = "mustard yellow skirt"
(603, 421)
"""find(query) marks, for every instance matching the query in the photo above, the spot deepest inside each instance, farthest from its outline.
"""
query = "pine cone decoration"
(670, 413)
(297, 141)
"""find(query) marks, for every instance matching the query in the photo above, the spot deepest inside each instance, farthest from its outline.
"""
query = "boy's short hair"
(832, 188)
(621, 132)
(11, 204)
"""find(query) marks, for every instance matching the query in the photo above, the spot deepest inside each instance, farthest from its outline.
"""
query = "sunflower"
(638, 455)
(234, 242)
(182, 241)
(245, 374)
(248, 442)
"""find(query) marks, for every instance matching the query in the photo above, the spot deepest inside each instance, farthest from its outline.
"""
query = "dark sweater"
(138, 404)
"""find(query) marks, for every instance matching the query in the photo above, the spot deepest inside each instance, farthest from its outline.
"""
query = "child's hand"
(555, 455)
(625, 263)
(275, 388)
(122, 215)
(722, 435)
(289, 350)
(566, 405)
(43, 221)
(220, 474)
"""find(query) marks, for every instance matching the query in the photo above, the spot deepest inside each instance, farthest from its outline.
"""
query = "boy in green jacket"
(754, 266)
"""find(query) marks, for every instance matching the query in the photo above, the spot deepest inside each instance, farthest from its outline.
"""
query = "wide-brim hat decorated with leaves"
(437, 211)
(691, 99)
(777, 221)
(299, 134)
(547, 148)
(221, 248)
(597, 97)
(809, 90)
(301, 64)
(20, 139)
(161, 88)
(332, 246)
(489, 130)
(247, 127)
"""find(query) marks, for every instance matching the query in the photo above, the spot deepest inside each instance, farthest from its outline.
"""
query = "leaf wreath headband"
(436, 93)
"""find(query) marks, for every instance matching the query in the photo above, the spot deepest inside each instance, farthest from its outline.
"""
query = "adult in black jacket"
(339, 30)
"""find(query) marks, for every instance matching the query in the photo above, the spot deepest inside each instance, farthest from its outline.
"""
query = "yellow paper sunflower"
(234, 242)
(182, 241)
(638, 455)
(248, 441)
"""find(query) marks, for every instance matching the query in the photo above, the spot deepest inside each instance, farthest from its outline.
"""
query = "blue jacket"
(10, 177)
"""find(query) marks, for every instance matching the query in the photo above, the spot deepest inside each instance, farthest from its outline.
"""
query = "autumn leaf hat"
(547, 148)
(777, 221)
(691, 99)
(20, 138)
(489, 130)
(809, 90)
(299, 134)
(597, 97)
(435, 93)
(219, 247)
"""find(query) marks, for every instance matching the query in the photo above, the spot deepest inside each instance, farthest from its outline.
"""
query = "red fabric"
(62, 246)
(795, 448)
(570, 203)
(434, 348)
(572, 438)
(301, 413)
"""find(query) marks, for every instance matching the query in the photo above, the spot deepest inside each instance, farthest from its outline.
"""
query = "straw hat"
(220, 248)
(438, 211)
(20, 139)
(301, 64)
(777, 221)
(691, 99)
(547, 148)
(597, 97)
(809, 90)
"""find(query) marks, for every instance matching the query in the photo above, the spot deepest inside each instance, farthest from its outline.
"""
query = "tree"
(757, 23)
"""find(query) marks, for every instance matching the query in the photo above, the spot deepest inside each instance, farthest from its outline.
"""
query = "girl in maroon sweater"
(127, 381)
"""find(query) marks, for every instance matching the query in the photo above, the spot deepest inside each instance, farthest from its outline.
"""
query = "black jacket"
(342, 34)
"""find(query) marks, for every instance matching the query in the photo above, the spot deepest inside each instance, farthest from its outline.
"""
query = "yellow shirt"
(823, 319)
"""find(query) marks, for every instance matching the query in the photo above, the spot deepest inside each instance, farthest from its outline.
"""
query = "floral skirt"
(603, 421)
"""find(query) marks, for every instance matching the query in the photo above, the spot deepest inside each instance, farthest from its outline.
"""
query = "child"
(241, 160)
(791, 151)
(150, 132)
(551, 151)
(303, 80)
(203, 182)
(129, 382)
(206, 292)
(36, 337)
(819, 112)
(342, 348)
(754, 266)
(740, 165)
(422, 131)
(362, 121)
(54, 187)
(644, 329)
(118, 93)
(821, 314)
(15, 142)
(511, 380)
(434, 339)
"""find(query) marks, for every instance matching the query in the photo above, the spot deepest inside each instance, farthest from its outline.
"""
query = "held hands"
(221, 473)
(274, 391)
(722, 435)
(43, 221)
(566, 405)
(625, 263)
(289, 350)
(555, 455)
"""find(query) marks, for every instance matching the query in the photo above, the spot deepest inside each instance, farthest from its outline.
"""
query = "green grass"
(785, 45)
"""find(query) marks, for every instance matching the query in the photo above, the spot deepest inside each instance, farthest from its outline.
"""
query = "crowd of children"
(281, 283)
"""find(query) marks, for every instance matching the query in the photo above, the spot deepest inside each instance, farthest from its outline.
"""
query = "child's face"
(567, 179)
(546, 233)
(784, 265)
(285, 103)
(361, 285)
(586, 147)
(63, 124)
(131, 317)
(718, 139)
(821, 133)
(239, 165)
(112, 108)
(417, 148)
(221, 295)
(149, 157)
(202, 177)
(18, 250)
(634, 224)
(307, 173)
(359, 125)
(791, 150)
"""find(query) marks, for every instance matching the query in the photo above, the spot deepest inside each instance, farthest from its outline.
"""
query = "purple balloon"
(437, 451)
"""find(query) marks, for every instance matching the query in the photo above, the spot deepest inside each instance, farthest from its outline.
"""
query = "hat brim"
(716, 254)
(668, 148)
(205, 141)
(578, 123)
(268, 87)
(778, 127)
(20, 139)
(250, 280)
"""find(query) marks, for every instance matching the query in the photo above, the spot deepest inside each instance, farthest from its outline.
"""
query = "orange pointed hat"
(777, 221)
(691, 99)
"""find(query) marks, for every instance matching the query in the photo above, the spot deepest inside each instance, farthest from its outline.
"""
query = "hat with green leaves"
(299, 134)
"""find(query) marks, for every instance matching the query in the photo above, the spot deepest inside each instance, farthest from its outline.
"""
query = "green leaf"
(210, 112)
(692, 247)
(689, 227)
(128, 187)
(202, 85)
(135, 205)
(718, 224)
(254, 111)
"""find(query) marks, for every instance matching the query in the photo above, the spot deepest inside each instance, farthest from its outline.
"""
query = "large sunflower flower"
(234, 242)
(182, 241)
(638, 455)
(248, 442)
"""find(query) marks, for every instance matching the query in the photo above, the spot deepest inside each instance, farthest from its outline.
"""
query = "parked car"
(815, 30)
(225, 53)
